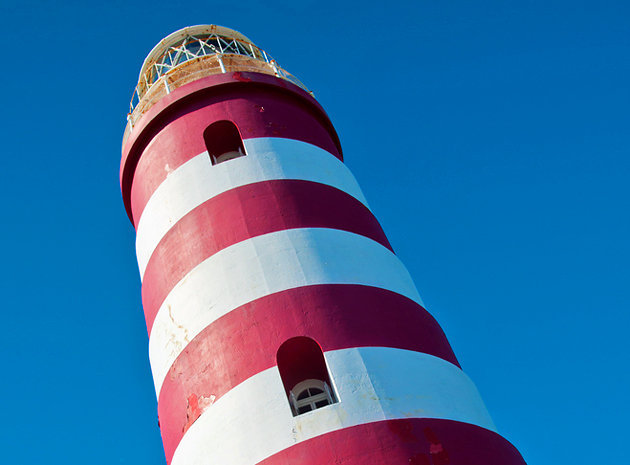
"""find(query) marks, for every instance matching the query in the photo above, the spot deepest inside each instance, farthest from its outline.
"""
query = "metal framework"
(196, 45)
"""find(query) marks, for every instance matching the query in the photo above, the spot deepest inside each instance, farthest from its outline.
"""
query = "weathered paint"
(260, 266)
(253, 421)
(244, 342)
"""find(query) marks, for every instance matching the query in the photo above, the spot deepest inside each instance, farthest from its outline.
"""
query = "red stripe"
(257, 111)
(245, 341)
(243, 213)
(413, 441)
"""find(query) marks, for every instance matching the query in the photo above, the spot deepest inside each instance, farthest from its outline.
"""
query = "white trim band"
(264, 265)
(197, 181)
(253, 421)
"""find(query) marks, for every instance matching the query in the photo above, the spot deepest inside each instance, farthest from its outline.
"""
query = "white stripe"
(197, 181)
(253, 421)
(264, 265)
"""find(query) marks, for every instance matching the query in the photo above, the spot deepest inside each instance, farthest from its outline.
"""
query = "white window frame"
(300, 387)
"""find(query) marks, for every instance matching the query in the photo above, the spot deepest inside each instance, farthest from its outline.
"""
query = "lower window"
(310, 395)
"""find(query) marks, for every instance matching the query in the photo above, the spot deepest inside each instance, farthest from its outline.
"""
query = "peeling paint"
(196, 406)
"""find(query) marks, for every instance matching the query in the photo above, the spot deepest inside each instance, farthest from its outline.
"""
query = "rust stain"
(173, 337)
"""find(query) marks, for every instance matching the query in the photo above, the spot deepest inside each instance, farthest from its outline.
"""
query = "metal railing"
(195, 47)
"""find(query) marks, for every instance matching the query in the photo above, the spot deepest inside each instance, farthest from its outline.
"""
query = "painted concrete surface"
(245, 212)
(174, 138)
(197, 181)
(261, 266)
(246, 341)
(253, 421)
(411, 441)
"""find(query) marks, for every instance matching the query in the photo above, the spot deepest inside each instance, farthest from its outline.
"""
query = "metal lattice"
(196, 46)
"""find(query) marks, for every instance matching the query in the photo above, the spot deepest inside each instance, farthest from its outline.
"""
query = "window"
(223, 142)
(304, 374)
(310, 395)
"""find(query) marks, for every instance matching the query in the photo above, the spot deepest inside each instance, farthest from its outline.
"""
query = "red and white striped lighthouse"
(283, 329)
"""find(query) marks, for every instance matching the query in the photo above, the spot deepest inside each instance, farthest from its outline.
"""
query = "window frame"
(310, 400)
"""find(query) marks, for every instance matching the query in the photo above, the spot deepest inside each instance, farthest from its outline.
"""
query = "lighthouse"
(283, 329)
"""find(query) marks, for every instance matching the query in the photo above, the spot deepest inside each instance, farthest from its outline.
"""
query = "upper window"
(223, 141)
(304, 374)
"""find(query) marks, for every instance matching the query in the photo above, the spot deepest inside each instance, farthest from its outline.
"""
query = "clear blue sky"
(490, 138)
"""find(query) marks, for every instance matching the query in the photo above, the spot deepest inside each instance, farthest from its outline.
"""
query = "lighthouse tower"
(283, 328)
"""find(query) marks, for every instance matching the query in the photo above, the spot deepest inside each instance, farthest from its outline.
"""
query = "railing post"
(275, 68)
(219, 57)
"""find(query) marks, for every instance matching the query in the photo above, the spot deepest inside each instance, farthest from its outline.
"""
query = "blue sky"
(490, 138)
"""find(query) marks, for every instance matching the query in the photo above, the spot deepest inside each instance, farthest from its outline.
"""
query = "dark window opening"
(304, 374)
(223, 142)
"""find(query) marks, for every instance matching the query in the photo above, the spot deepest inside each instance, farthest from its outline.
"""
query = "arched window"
(223, 141)
(304, 374)
(309, 395)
